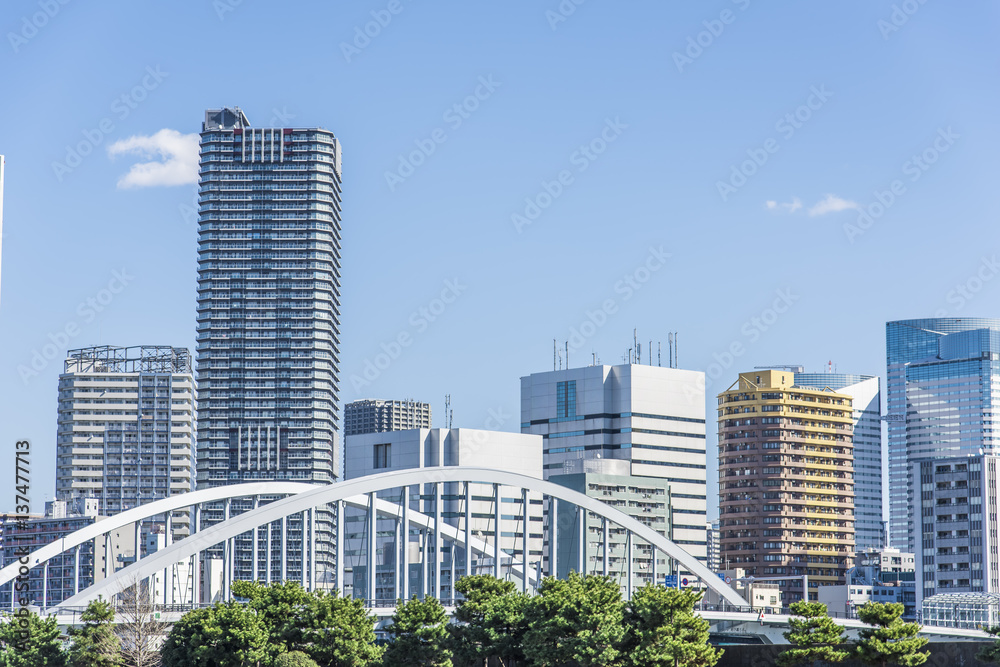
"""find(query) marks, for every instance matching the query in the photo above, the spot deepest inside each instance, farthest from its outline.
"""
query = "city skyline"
(447, 226)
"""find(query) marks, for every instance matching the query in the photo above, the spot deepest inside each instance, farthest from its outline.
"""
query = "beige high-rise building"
(786, 482)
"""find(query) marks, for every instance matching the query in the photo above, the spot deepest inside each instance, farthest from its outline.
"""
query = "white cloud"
(173, 159)
(787, 207)
(832, 204)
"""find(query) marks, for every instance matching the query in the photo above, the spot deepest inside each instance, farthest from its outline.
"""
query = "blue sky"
(671, 125)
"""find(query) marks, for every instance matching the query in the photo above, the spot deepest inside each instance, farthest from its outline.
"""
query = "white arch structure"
(155, 508)
(367, 486)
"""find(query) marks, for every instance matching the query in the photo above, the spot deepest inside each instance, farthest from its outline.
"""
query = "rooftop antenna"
(635, 341)
(676, 345)
(567, 355)
(650, 353)
(447, 410)
(553, 354)
(659, 345)
(670, 352)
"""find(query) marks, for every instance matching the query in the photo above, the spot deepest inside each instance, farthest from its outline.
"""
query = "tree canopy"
(813, 636)
(890, 640)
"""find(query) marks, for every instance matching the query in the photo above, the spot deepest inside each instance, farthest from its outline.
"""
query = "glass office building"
(867, 405)
(268, 310)
(943, 378)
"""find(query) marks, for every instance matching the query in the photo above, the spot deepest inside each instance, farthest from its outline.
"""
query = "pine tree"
(990, 653)
(419, 630)
(575, 619)
(27, 640)
(662, 630)
(95, 644)
(814, 635)
(890, 640)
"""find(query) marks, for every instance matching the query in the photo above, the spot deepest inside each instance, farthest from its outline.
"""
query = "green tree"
(990, 653)
(27, 640)
(504, 627)
(277, 605)
(336, 632)
(95, 644)
(467, 637)
(814, 635)
(578, 618)
(226, 635)
(662, 629)
(890, 640)
(419, 631)
(295, 659)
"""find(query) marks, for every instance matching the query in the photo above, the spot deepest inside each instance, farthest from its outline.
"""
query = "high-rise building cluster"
(800, 455)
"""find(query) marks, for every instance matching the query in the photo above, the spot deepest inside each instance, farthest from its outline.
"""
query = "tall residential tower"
(786, 482)
(268, 307)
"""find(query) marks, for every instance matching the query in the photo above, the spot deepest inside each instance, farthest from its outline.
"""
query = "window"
(566, 399)
(383, 456)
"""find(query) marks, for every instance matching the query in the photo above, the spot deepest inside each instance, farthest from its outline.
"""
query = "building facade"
(957, 516)
(714, 548)
(126, 428)
(645, 499)
(378, 416)
(786, 481)
(879, 575)
(650, 418)
(72, 571)
(868, 452)
(268, 313)
(520, 524)
(943, 383)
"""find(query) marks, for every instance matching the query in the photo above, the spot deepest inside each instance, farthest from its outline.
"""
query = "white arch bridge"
(305, 501)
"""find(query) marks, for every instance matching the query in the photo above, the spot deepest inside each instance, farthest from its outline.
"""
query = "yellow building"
(786, 482)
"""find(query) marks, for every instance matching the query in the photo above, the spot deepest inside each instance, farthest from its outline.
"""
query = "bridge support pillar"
(340, 547)
(305, 549)
(45, 587)
(284, 549)
(372, 518)
(425, 538)
(312, 548)
(438, 556)
(524, 540)
(256, 536)
(581, 557)
(267, 557)
(628, 557)
(607, 534)
(468, 532)
(553, 539)
(196, 565)
(405, 555)
(496, 531)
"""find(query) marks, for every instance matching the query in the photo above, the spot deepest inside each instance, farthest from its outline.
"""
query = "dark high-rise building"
(268, 309)
(377, 416)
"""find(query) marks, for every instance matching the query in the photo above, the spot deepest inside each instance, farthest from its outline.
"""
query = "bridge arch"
(315, 496)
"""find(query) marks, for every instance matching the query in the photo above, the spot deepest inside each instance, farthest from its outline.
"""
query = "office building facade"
(868, 452)
(957, 516)
(786, 482)
(943, 386)
(650, 418)
(378, 416)
(521, 514)
(268, 321)
(126, 428)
